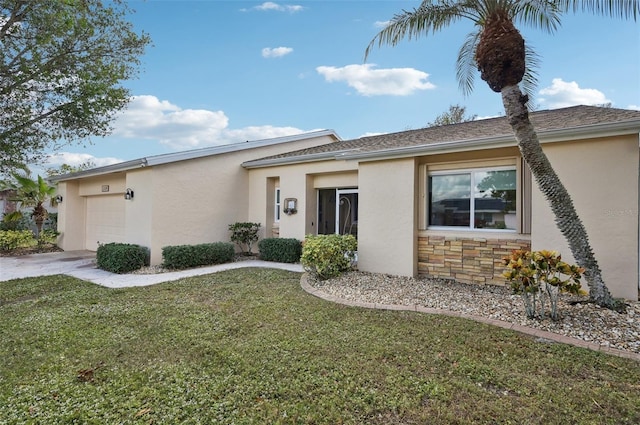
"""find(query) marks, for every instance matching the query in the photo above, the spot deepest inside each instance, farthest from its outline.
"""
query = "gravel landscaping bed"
(585, 321)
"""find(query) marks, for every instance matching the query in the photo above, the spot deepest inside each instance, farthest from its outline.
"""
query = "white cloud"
(635, 107)
(276, 52)
(381, 24)
(561, 94)
(271, 6)
(148, 118)
(75, 159)
(374, 82)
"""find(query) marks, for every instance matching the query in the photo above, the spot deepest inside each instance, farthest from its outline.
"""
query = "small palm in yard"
(31, 193)
(250, 347)
(497, 49)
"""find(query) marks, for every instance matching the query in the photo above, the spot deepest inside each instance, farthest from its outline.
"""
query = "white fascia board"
(192, 154)
(313, 157)
(107, 169)
(218, 150)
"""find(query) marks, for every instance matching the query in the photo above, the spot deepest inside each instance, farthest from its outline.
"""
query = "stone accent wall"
(468, 260)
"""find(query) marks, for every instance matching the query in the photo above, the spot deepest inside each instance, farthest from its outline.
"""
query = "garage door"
(105, 220)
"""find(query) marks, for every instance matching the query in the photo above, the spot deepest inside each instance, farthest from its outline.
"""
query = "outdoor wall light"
(128, 195)
(59, 199)
(290, 206)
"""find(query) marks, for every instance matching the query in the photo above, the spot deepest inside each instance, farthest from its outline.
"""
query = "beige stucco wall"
(602, 177)
(71, 224)
(98, 185)
(387, 241)
(138, 211)
(195, 201)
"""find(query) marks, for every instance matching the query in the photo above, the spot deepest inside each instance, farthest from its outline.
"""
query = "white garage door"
(105, 220)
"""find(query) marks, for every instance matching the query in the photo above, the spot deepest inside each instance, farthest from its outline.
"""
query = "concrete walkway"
(81, 264)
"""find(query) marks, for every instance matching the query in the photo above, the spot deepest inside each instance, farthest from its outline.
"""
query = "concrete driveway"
(81, 264)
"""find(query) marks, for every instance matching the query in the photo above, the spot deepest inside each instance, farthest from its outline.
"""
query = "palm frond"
(625, 9)
(530, 78)
(466, 67)
(541, 14)
(427, 18)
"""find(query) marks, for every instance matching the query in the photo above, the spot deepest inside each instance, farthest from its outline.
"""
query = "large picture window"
(474, 199)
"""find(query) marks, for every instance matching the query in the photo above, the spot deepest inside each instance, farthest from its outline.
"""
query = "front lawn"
(248, 346)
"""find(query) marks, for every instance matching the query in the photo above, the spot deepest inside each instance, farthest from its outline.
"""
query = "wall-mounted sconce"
(59, 199)
(290, 206)
(128, 195)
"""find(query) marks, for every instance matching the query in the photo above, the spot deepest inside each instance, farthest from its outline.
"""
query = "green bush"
(15, 221)
(244, 235)
(12, 239)
(121, 257)
(326, 256)
(282, 250)
(186, 256)
(48, 237)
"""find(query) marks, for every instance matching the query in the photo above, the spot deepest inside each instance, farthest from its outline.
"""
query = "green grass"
(250, 347)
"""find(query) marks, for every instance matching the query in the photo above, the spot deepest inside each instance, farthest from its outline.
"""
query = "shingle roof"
(543, 121)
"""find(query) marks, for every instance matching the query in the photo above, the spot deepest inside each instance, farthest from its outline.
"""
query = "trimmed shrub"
(187, 256)
(244, 235)
(326, 256)
(12, 239)
(121, 257)
(282, 250)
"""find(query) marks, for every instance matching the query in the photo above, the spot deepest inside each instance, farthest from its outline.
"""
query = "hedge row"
(186, 256)
(121, 257)
(282, 250)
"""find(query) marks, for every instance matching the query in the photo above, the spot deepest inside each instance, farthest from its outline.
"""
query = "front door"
(338, 211)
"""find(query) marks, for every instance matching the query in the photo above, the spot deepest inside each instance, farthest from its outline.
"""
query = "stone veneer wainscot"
(468, 260)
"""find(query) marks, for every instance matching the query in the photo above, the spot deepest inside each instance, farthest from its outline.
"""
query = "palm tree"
(31, 193)
(497, 49)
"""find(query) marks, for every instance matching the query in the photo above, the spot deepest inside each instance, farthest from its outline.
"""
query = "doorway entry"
(338, 211)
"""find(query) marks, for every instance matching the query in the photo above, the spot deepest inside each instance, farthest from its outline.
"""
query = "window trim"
(471, 171)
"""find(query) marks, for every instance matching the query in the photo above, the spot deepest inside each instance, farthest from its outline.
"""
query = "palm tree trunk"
(557, 195)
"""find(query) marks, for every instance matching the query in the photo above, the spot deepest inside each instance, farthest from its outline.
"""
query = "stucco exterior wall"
(103, 185)
(602, 177)
(387, 241)
(71, 217)
(139, 210)
(195, 201)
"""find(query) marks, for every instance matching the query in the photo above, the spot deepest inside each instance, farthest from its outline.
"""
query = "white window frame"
(276, 203)
(471, 172)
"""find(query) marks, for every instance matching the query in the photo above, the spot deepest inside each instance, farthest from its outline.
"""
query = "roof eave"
(193, 154)
(314, 157)
(107, 169)
(550, 136)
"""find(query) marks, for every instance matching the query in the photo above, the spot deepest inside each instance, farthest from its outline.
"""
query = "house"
(407, 196)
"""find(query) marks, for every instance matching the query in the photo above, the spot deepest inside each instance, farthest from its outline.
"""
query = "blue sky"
(228, 71)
